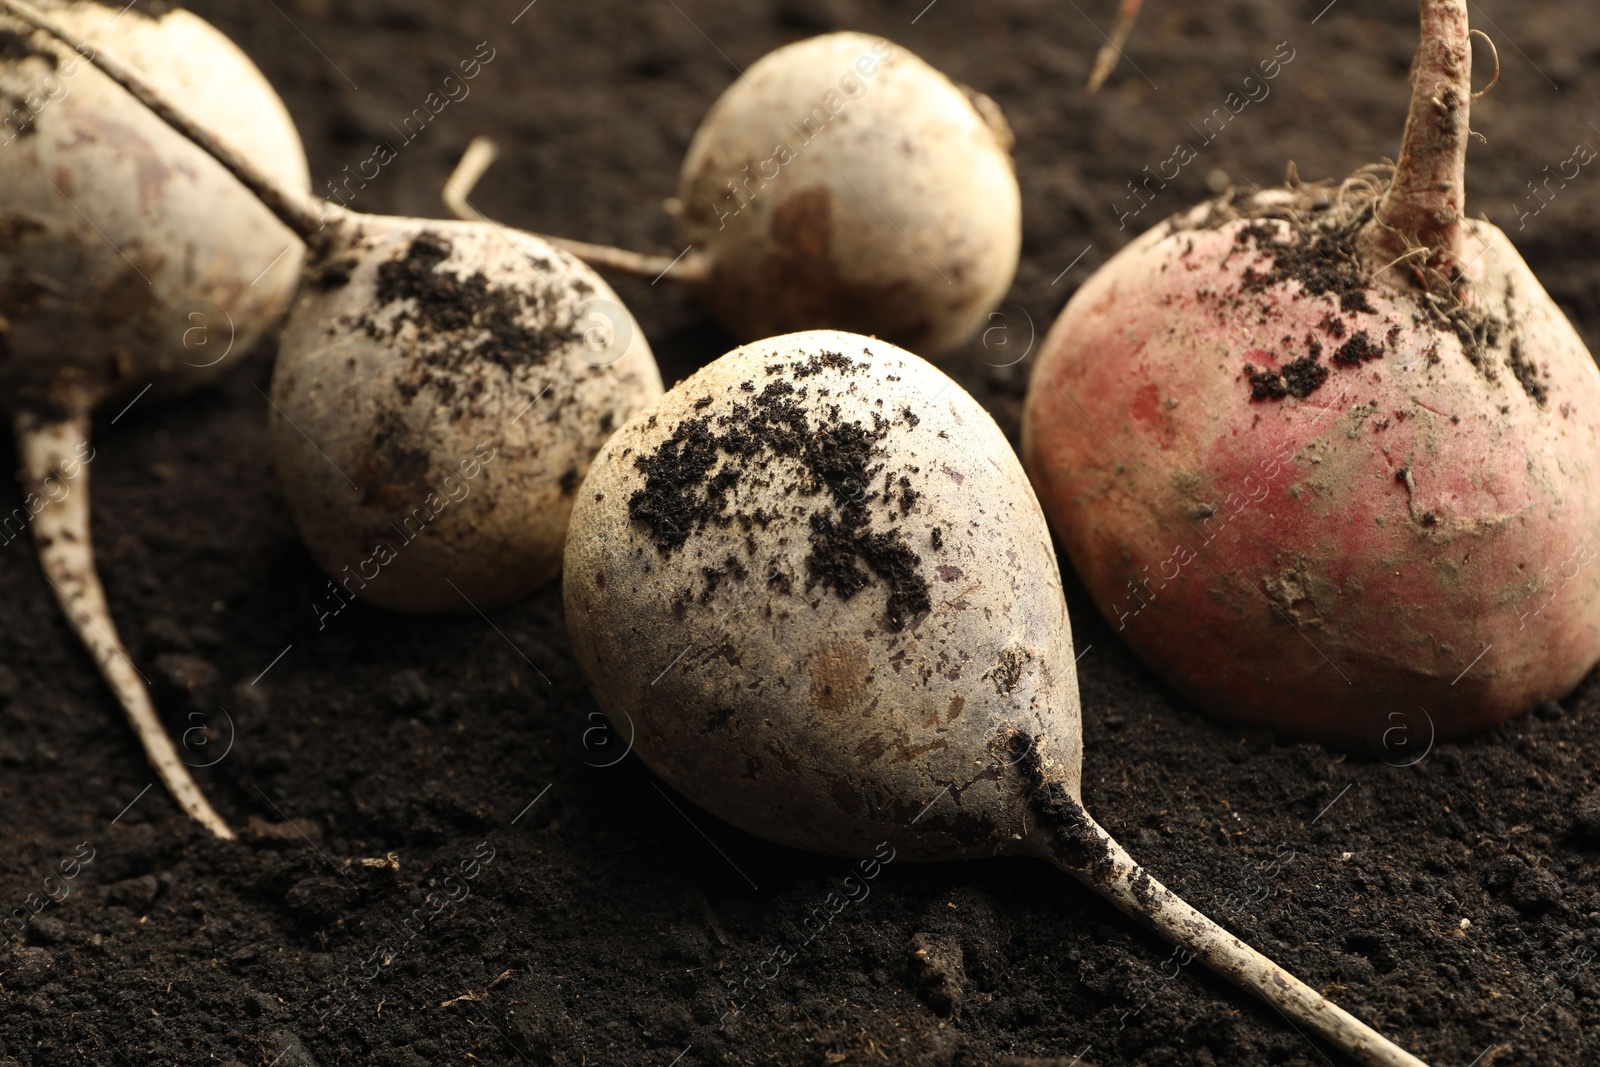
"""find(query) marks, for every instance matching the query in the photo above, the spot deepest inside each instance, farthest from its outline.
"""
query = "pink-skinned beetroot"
(1325, 456)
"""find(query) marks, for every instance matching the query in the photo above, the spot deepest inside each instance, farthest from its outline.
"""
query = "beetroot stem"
(690, 269)
(1115, 875)
(61, 532)
(1424, 205)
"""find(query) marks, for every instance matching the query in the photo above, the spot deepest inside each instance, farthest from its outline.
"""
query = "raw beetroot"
(409, 360)
(129, 263)
(1324, 455)
(841, 183)
(812, 584)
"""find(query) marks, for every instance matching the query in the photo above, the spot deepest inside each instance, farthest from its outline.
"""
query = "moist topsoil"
(443, 859)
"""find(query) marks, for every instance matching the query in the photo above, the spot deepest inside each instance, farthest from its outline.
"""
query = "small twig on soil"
(1106, 60)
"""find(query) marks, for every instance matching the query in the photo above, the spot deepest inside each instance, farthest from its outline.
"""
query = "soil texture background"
(1446, 893)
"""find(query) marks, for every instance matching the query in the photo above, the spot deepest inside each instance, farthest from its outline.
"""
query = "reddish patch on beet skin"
(1148, 410)
(1147, 404)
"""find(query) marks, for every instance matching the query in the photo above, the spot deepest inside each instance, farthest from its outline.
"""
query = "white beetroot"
(439, 391)
(841, 183)
(126, 262)
(814, 587)
(467, 450)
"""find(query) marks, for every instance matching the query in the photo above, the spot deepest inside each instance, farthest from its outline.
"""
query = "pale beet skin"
(796, 687)
(840, 183)
(127, 257)
(130, 264)
(843, 182)
(1309, 477)
(440, 390)
(414, 355)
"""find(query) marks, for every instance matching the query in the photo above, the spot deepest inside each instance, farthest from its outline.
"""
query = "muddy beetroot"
(1325, 454)
(412, 361)
(812, 584)
(129, 263)
(841, 183)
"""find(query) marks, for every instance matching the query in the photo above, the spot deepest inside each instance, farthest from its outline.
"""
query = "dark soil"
(1358, 350)
(1299, 378)
(443, 861)
(1323, 261)
(460, 319)
(770, 439)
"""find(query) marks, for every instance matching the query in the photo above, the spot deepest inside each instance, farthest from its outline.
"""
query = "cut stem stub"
(1425, 203)
(61, 533)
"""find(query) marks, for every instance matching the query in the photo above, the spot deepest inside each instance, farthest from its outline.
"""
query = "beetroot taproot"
(130, 263)
(1326, 453)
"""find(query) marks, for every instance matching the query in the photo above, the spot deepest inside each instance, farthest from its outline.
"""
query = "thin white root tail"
(689, 270)
(61, 532)
(1139, 896)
